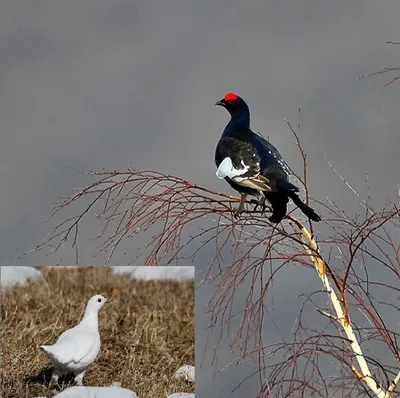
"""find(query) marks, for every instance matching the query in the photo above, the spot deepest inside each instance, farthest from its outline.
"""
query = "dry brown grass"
(146, 328)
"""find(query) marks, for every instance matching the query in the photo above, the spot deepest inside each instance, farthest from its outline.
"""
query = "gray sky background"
(108, 84)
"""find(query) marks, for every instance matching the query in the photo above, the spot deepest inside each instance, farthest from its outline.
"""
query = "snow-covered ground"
(185, 372)
(115, 391)
(107, 392)
(157, 273)
(10, 276)
(96, 392)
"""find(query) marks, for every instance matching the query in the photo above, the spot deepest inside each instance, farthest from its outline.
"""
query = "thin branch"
(342, 315)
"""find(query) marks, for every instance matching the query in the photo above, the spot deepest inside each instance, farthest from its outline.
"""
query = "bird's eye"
(99, 300)
(231, 101)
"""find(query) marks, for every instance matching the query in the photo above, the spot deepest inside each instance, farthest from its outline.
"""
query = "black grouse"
(253, 166)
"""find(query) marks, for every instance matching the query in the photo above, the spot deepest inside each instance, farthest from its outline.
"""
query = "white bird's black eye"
(231, 101)
(99, 300)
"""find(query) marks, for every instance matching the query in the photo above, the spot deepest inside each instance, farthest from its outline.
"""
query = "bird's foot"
(237, 213)
(240, 209)
(54, 379)
(257, 203)
(54, 385)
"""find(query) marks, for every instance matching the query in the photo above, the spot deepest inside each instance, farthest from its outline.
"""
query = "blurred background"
(111, 84)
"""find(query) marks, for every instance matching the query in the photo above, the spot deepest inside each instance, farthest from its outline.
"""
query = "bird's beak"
(220, 103)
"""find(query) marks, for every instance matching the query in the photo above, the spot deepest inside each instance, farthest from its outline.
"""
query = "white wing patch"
(226, 169)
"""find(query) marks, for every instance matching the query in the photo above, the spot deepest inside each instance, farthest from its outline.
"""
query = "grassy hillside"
(146, 329)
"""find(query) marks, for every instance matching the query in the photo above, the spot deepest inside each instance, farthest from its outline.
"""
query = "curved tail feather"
(279, 201)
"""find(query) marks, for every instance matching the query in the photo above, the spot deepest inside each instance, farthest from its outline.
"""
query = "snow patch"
(10, 275)
(104, 392)
(177, 273)
(186, 372)
(96, 392)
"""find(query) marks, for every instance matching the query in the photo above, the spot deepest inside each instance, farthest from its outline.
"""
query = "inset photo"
(121, 332)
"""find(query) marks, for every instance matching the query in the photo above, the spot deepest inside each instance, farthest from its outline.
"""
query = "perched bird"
(77, 348)
(253, 166)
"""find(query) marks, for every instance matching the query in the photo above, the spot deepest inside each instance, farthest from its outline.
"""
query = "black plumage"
(253, 166)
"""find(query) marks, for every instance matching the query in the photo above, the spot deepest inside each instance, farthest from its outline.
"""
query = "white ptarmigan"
(77, 348)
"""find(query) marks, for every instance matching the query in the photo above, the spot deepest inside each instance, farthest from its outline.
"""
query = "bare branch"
(178, 221)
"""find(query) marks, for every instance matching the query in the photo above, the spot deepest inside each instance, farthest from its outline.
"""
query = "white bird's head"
(95, 303)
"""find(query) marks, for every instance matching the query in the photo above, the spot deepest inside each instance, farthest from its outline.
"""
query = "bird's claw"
(255, 203)
(258, 203)
(237, 214)
(240, 208)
